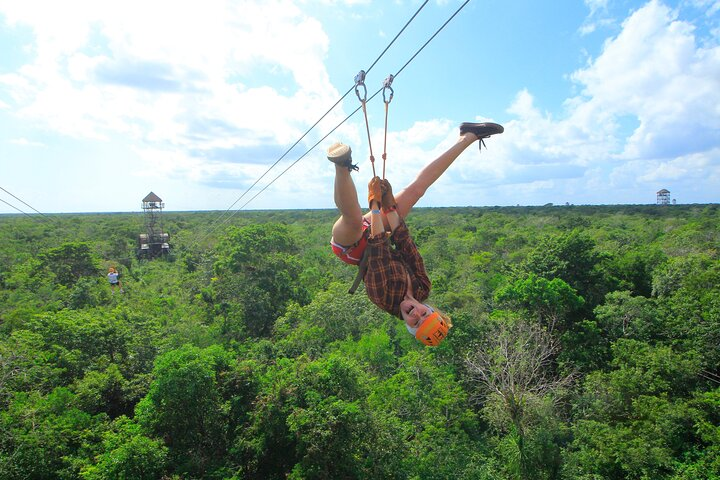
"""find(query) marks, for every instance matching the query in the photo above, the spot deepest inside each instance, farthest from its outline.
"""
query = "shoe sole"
(494, 128)
(340, 154)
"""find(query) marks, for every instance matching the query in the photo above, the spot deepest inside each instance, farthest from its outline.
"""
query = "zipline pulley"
(360, 82)
(388, 93)
(387, 85)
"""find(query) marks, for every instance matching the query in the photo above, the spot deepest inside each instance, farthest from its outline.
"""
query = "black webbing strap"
(362, 268)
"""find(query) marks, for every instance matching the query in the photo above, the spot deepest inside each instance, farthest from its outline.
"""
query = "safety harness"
(388, 93)
(362, 268)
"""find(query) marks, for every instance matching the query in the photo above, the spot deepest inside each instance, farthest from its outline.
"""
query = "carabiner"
(387, 86)
(360, 77)
(360, 82)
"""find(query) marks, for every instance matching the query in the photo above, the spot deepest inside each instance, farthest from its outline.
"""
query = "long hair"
(444, 316)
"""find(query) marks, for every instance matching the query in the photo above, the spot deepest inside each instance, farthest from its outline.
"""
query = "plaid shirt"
(387, 270)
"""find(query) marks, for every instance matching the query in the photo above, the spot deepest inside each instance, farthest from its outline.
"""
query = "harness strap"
(384, 155)
(387, 87)
(388, 93)
(360, 82)
(362, 268)
(367, 127)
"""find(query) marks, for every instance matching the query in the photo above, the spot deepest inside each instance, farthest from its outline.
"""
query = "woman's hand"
(388, 200)
(375, 194)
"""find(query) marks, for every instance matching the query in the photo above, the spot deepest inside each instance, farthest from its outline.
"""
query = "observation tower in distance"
(663, 197)
(154, 242)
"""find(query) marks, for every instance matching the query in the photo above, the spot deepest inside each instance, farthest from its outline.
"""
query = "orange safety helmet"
(433, 330)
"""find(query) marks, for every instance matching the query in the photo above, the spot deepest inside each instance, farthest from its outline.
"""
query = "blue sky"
(603, 101)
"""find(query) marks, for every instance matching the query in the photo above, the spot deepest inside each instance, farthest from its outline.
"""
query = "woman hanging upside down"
(395, 278)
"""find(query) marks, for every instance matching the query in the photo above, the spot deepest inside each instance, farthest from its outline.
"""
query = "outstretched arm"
(408, 197)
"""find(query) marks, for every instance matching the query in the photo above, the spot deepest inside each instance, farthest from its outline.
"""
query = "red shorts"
(353, 254)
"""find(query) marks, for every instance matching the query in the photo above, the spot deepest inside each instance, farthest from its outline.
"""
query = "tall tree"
(573, 258)
(257, 275)
(70, 262)
(185, 407)
(550, 301)
(513, 371)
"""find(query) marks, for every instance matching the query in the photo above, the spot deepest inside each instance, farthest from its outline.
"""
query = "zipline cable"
(398, 34)
(13, 206)
(216, 224)
(357, 109)
(24, 203)
(343, 121)
(284, 154)
(431, 38)
(304, 154)
(313, 125)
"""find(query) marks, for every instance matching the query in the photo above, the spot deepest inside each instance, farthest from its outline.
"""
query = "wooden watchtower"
(663, 197)
(154, 242)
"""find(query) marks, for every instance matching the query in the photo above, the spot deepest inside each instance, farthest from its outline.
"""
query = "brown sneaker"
(340, 154)
(481, 130)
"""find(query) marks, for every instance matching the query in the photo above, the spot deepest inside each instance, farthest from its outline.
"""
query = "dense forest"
(586, 345)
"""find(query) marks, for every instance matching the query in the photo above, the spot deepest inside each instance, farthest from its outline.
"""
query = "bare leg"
(408, 197)
(348, 228)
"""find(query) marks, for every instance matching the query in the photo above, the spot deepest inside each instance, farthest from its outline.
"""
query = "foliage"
(584, 346)
(258, 274)
(127, 453)
(184, 405)
(549, 301)
(70, 262)
(45, 436)
(512, 369)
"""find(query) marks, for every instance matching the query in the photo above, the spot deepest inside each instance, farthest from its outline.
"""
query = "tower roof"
(664, 191)
(151, 197)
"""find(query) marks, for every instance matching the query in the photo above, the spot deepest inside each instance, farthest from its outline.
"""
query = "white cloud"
(345, 2)
(24, 142)
(197, 84)
(596, 5)
(712, 6)
(656, 72)
(690, 169)
(214, 96)
(596, 18)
